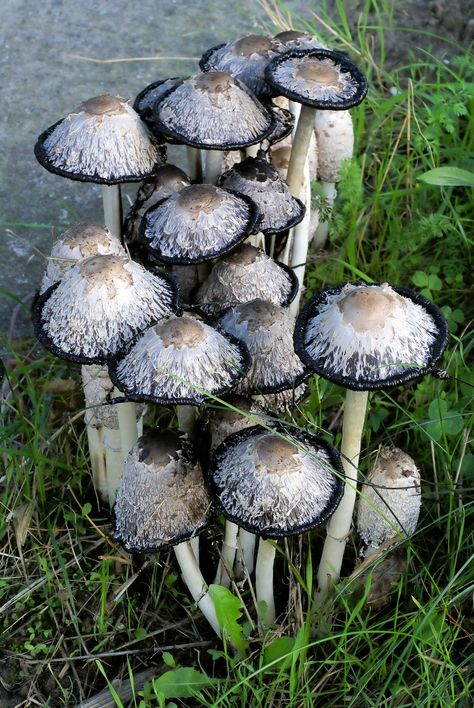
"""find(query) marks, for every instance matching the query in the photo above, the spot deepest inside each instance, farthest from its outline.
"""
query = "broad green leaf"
(448, 177)
(434, 283)
(229, 612)
(184, 682)
(420, 279)
(169, 659)
(280, 647)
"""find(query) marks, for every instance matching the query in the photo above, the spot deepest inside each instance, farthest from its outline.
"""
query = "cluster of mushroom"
(205, 243)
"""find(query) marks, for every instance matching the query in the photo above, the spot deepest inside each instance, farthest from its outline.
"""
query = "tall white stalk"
(228, 551)
(194, 164)
(196, 584)
(299, 252)
(127, 417)
(112, 204)
(245, 553)
(264, 580)
(340, 523)
(213, 168)
(320, 236)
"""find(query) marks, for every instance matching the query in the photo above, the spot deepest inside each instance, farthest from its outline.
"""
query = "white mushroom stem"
(299, 151)
(340, 523)
(264, 581)
(196, 584)
(194, 163)
(245, 553)
(300, 239)
(320, 237)
(112, 204)
(97, 454)
(213, 168)
(186, 419)
(114, 458)
(228, 550)
(127, 418)
(252, 150)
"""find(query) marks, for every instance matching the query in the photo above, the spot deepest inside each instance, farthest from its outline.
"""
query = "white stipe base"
(196, 584)
(264, 581)
(226, 562)
(112, 204)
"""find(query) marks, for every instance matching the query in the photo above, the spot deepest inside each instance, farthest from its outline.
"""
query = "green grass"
(73, 618)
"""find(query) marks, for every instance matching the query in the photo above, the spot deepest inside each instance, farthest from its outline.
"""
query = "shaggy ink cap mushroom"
(260, 181)
(198, 224)
(221, 421)
(213, 111)
(244, 275)
(245, 59)
(145, 101)
(180, 361)
(167, 180)
(162, 499)
(276, 483)
(100, 303)
(103, 140)
(318, 78)
(391, 490)
(284, 123)
(79, 242)
(267, 331)
(292, 40)
(370, 337)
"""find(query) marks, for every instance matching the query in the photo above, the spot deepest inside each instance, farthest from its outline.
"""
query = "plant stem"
(194, 164)
(245, 553)
(226, 561)
(196, 584)
(112, 205)
(303, 133)
(321, 233)
(127, 417)
(264, 580)
(300, 241)
(340, 523)
(97, 454)
(213, 166)
(186, 419)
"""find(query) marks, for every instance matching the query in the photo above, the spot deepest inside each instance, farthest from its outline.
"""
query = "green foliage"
(229, 612)
(448, 177)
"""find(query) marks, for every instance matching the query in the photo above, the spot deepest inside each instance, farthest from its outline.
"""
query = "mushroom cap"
(318, 78)
(335, 140)
(103, 140)
(245, 59)
(98, 388)
(292, 40)
(283, 401)
(167, 180)
(276, 483)
(162, 499)
(100, 303)
(260, 181)
(284, 122)
(213, 111)
(370, 337)
(75, 244)
(391, 488)
(180, 360)
(145, 101)
(267, 330)
(197, 224)
(240, 413)
(243, 275)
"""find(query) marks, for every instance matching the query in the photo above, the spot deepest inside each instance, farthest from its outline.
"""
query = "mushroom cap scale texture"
(245, 59)
(393, 488)
(319, 78)
(198, 223)
(276, 483)
(104, 146)
(335, 139)
(370, 337)
(267, 330)
(98, 388)
(213, 111)
(246, 274)
(180, 361)
(291, 40)
(260, 181)
(75, 244)
(162, 499)
(100, 304)
(145, 101)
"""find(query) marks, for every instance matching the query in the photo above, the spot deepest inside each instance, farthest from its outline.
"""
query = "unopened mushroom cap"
(103, 140)
(267, 330)
(335, 140)
(221, 421)
(245, 59)
(243, 275)
(78, 242)
(213, 111)
(369, 337)
(391, 490)
(260, 181)
(180, 360)
(162, 499)
(318, 78)
(198, 223)
(276, 483)
(100, 303)
(167, 180)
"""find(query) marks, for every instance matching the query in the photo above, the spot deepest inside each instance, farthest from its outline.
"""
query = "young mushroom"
(364, 337)
(163, 502)
(275, 484)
